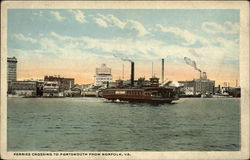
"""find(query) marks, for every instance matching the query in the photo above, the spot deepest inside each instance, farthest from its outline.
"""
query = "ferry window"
(154, 93)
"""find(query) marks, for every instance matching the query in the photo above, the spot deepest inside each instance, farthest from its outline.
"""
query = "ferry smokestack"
(162, 70)
(132, 73)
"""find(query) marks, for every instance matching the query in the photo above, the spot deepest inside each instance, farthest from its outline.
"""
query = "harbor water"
(93, 124)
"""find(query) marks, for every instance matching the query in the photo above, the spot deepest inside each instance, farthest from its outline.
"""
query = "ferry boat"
(148, 95)
(144, 91)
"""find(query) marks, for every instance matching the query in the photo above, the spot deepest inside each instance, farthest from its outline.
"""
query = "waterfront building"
(24, 88)
(51, 89)
(40, 84)
(67, 83)
(204, 86)
(198, 86)
(63, 83)
(103, 75)
(188, 87)
(75, 91)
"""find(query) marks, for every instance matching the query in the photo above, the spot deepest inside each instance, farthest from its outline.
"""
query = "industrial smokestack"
(152, 69)
(132, 74)
(107, 84)
(204, 75)
(162, 70)
(122, 71)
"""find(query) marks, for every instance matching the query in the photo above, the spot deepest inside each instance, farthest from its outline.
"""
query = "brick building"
(63, 83)
(24, 88)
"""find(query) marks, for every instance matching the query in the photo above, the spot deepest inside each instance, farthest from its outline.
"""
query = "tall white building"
(103, 75)
(12, 65)
(11, 70)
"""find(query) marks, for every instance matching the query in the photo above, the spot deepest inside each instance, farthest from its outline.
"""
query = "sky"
(73, 42)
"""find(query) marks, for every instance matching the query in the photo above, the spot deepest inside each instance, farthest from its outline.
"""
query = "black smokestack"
(107, 84)
(132, 74)
(162, 71)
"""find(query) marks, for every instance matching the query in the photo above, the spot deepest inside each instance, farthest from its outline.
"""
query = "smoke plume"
(122, 58)
(194, 53)
(191, 63)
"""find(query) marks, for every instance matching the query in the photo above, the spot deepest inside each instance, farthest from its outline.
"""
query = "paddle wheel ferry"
(144, 91)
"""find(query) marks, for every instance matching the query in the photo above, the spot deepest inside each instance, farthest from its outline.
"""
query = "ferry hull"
(140, 95)
(145, 100)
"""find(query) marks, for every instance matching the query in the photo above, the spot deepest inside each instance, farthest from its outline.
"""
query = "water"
(90, 124)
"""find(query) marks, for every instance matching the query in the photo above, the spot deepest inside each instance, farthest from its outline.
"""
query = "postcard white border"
(244, 71)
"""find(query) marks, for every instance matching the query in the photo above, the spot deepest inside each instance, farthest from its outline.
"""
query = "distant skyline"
(72, 43)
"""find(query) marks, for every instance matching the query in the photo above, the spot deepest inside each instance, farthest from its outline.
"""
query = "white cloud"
(149, 49)
(41, 34)
(227, 28)
(112, 21)
(40, 13)
(53, 34)
(48, 44)
(139, 49)
(101, 22)
(189, 37)
(146, 49)
(69, 49)
(79, 15)
(24, 38)
(139, 27)
(116, 21)
(109, 20)
(57, 15)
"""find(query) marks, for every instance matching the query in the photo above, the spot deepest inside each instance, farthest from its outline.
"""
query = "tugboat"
(145, 91)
